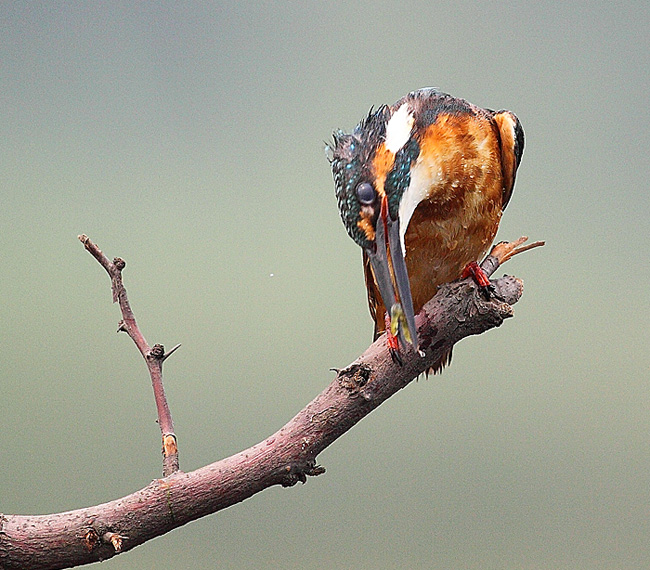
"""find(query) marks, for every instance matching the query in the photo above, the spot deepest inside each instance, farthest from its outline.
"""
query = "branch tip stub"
(114, 539)
(170, 446)
(355, 376)
(119, 263)
(298, 473)
(315, 470)
(90, 539)
(157, 352)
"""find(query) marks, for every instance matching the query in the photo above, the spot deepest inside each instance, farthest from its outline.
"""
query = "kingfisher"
(421, 186)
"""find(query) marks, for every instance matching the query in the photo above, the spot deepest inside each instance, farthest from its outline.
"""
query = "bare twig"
(154, 356)
(288, 456)
(504, 250)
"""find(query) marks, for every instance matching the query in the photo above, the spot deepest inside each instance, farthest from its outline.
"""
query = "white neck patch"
(398, 128)
(423, 177)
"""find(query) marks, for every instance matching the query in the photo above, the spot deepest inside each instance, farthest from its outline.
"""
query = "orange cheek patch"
(366, 227)
(382, 164)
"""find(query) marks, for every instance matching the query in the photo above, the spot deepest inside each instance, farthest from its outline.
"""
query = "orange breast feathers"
(450, 213)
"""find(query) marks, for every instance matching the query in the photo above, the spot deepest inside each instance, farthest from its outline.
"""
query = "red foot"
(474, 270)
(393, 343)
(485, 287)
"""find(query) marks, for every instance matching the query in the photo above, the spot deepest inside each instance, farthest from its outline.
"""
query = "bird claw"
(485, 287)
(395, 356)
(489, 292)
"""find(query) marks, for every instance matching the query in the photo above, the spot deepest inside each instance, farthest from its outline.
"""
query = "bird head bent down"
(434, 165)
(371, 170)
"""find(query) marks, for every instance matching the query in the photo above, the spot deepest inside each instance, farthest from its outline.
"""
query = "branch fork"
(285, 458)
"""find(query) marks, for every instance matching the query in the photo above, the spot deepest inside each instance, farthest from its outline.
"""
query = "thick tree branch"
(153, 356)
(284, 458)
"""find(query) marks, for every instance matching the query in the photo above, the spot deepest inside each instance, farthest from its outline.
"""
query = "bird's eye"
(366, 193)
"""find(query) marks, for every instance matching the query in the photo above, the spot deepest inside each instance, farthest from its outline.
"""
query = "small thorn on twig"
(170, 352)
(115, 539)
(121, 327)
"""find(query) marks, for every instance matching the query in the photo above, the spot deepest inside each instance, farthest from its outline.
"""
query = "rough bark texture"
(284, 458)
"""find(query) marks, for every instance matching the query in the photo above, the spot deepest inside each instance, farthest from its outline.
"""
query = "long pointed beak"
(392, 278)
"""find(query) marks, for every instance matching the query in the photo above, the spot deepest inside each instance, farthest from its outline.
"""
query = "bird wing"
(511, 140)
(375, 303)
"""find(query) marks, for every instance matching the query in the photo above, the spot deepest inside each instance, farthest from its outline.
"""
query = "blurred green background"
(187, 138)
